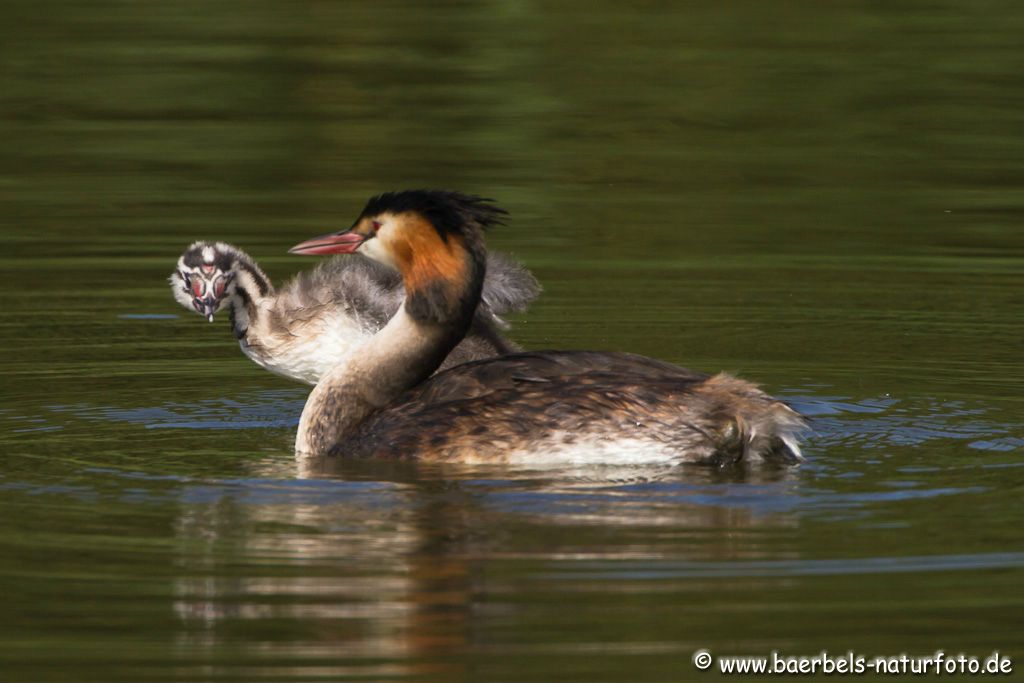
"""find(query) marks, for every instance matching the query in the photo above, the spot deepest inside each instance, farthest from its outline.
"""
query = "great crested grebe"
(313, 322)
(535, 407)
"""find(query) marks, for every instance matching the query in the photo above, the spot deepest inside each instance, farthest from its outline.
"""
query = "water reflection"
(389, 560)
(385, 583)
(345, 583)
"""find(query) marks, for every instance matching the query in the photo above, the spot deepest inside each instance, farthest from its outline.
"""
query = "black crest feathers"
(448, 211)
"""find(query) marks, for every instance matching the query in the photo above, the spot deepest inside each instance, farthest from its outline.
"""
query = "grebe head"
(205, 277)
(434, 238)
(396, 226)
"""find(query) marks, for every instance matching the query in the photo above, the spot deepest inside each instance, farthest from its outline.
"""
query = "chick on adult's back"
(314, 321)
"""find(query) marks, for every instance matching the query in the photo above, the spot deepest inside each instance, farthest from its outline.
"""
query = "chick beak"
(344, 242)
(209, 307)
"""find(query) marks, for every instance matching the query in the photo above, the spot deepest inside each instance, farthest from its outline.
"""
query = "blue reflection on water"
(265, 409)
(867, 423)
(883, 422)
(654, 569)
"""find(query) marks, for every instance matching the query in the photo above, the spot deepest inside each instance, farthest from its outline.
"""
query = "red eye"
(198, 287)
(218, 286)
(376, 225)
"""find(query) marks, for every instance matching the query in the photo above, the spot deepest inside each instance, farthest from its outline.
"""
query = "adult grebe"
(313, 322)
(538, 407)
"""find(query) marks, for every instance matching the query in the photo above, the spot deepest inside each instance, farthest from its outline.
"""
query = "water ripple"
(882, 422)
(262, 410)
(658, 570)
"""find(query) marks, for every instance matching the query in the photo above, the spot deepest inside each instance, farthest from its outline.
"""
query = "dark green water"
(827, 200)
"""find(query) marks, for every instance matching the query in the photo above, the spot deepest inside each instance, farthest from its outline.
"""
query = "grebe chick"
(536, 407)
(314, 321)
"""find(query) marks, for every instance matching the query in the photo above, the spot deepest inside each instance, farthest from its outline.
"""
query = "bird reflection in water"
(391, 568)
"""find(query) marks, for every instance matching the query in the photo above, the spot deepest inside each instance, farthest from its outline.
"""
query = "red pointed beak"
(344, 242)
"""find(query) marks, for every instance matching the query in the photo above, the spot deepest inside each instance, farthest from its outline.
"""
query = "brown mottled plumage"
(535, 407)
(491, 408)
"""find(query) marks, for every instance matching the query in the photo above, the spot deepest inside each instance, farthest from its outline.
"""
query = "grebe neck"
(251, 287)
(441, 297)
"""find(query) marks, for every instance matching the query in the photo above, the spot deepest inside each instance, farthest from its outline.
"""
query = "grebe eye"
(376, 225)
